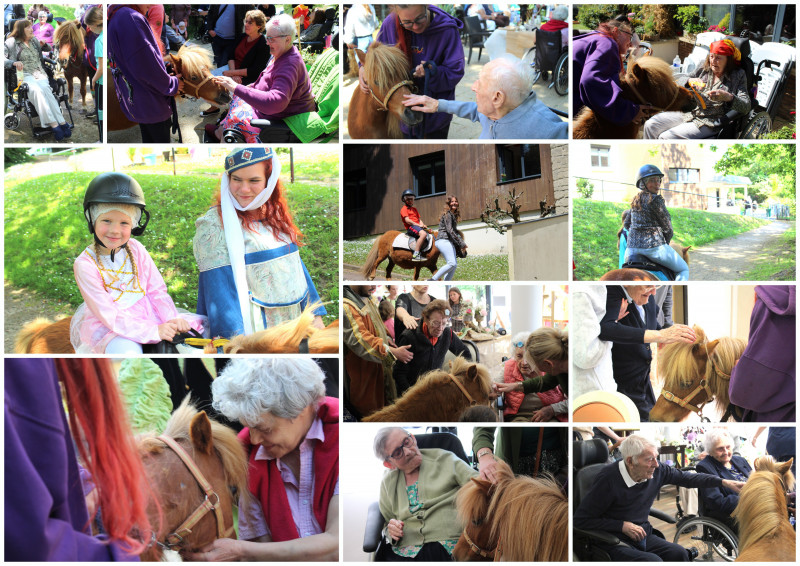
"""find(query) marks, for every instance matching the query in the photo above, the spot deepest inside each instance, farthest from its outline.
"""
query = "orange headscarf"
(727, 48)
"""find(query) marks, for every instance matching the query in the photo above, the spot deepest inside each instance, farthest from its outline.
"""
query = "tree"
(771, 165)
(15, 156)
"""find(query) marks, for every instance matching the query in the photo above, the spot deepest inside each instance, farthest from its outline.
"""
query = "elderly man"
(630, 355)
(622, 494)
(369, 354)
(505, 105)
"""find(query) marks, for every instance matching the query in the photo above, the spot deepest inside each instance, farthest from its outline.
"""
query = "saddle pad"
(404, 242)
(638, 261)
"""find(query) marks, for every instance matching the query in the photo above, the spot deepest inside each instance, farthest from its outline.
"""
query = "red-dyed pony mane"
(99, 425)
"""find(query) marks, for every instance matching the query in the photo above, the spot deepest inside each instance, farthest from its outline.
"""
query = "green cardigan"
(441, 475)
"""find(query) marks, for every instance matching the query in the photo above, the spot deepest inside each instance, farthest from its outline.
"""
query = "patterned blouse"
(414, 505)
(734, 82)
(447, 230)
(650, 226)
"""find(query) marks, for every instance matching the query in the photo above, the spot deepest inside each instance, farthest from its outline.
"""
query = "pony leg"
(416, 272)
(389, 269)
(83, 81)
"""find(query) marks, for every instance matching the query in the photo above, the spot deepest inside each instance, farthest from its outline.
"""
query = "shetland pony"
(378, 115)
(517, 519)
(220, 457)
(435, 396)
(647, 80)
(383, 249)
(765, 533)
(69, 37)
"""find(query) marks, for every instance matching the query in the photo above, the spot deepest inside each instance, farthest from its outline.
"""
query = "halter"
(477, 549)
(384, 104)
(472, 402)
(196, 86)
(176, 537)
(643, 101)
(703, 386)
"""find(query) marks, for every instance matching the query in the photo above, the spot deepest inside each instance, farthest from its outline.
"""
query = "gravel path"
(23, 306)
(728, 259)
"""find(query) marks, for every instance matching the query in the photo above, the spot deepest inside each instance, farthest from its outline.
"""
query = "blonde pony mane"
(385, 65)
(677, 365)
(458, 368)
(194, 60)
(761, 511)
(286, 337)
(70, 32)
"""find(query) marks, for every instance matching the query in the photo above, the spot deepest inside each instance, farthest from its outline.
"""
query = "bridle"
(472, 402)
(643, 101)
(684, 402)
(384, 104)
(210, 503)
(477, 549)
(195, 86)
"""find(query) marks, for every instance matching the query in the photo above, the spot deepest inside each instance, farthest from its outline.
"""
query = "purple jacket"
(282, 89)
(45, 510)
(44, 33)
(763, 382)
(440, 43)
(140, 77)
(596, 68)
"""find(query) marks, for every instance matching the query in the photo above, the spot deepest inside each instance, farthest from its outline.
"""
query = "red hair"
(404, 38)
(99, 424)
(274, 213)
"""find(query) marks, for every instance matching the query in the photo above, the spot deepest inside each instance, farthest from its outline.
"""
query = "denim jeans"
(448, 270)
(666, 256)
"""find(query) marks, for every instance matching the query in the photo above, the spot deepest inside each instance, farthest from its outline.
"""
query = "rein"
(477, 549)
(643, 101)
(210, 503)
(384, 105)
(472, 402)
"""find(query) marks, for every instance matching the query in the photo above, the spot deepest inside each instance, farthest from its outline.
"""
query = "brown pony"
(693, 375)
(383, 249)
(217, 452)
(765, 533)
(436, 396)
(69, 37)
(379, 113)
(518, 519)
(647, 81)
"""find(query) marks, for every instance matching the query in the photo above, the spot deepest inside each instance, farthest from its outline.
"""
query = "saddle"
(638, 261)
(405, 242)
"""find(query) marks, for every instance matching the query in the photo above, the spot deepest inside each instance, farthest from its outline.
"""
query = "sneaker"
(67, 130)
(416, 257)
(58, 133)
(209, 112)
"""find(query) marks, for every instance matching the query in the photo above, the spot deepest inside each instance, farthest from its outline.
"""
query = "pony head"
(69, 39)
(650, 80)
(193, 63)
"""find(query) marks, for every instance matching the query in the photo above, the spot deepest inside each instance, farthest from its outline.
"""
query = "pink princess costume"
(122, 304)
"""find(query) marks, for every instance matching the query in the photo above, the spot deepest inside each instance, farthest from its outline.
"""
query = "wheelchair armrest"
(666, 517)
(373, 528)
(602, 537)
(260, 123)
(728, 117)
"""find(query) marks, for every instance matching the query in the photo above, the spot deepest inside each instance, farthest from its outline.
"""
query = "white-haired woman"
(283, 89)
(292, 437)
(547, 349)
(418, 497)
(719, 502)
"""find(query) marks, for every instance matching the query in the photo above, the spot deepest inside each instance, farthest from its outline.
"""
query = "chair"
(713, 539)
(373, 540)
(314, 40)
(475, 36)
(549, 55)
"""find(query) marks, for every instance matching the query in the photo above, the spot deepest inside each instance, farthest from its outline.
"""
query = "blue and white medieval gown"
(279, 286)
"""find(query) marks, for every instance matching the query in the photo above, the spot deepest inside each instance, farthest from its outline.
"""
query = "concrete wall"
(539, 249)
(559, 154)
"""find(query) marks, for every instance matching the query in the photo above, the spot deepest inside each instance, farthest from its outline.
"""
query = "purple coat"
(140, 76)
(282, 89)
(440, 43)
(596, 68)
(45, 510)
(763, 382)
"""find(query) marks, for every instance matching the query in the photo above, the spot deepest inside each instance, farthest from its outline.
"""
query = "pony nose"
(689, 105)
(224, 97)
(412, 117)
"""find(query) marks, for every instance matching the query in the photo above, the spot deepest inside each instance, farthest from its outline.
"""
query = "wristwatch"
(483, 451)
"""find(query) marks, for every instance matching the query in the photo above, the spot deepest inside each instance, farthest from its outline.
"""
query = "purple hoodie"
(763, 382)
(440, 43)
(140, 76)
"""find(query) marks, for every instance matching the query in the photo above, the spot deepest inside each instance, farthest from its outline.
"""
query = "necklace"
(118, 281)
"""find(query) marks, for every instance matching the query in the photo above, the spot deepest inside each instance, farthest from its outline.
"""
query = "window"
(518, 161)
(600, 155)
(683, 175)
(429, 174)
(355, 190)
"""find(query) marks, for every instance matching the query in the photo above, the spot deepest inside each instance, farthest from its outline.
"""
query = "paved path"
(728, 259)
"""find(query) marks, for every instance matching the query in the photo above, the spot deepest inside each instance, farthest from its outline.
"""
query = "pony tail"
(99, 424)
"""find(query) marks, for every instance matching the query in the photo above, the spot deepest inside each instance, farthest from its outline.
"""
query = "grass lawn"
(43, 236)
(595, 226)
(490, 267)
(780, 264)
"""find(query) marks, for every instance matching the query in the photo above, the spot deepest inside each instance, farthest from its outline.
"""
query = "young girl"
(94, 21)
(126, 301)
(448, 239)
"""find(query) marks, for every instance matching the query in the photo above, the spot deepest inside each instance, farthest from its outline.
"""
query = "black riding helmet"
(647, 171)
(407, 193)
(115, 188)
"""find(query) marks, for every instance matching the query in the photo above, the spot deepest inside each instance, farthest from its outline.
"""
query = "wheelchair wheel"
(713, 539)
(758, 127)
(562, 74)
(530, 59)
(11, 121)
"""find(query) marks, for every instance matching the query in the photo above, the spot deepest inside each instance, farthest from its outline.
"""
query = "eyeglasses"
(397, 453)
(437, 324)
(274, 38)
(417, 21)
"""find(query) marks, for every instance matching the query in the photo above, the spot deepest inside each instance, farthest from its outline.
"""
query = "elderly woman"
(292, 440)
(558, 23)
(283, 89)
(505, 105)
(42, 30)
(719, 502)
(548, 350)
(429, 342)
(722, 84)
(247, 250)
(418, 497)
(24, 52)
(542, 406)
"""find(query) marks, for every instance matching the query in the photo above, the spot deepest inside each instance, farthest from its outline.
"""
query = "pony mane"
(285, 338)
(385, 65)
(717, 380)
(458, 368)
(761, 511)
(677, 364)
(768, 464)
(71, 33)
(226, 444)
(472, 501)
(194, 60)
(659, 74)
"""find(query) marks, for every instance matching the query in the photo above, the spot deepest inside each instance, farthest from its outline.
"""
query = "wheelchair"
(17, 100)
(549, 56)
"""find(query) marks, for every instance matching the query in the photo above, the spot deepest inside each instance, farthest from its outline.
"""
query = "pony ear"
(711, 346)
(200, 433)
(361, 56)
(783, 467)
(472, 372)
(484, 485)
(637, 71)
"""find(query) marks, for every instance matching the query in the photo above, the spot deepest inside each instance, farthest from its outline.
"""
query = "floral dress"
(414, 505)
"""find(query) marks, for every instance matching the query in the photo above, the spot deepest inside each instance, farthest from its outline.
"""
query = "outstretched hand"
(421, 103)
